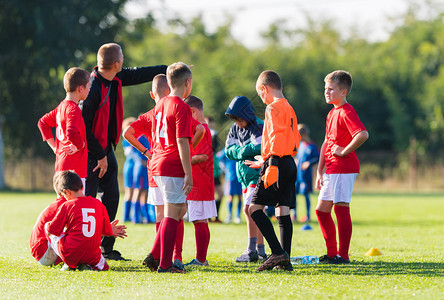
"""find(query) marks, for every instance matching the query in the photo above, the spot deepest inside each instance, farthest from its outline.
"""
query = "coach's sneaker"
(196, 262)
(248, 256)
(114, 255)
(325, 259)
(275, 260)
(338, 260)
(172, 269)
(179, 264)
(151, 262)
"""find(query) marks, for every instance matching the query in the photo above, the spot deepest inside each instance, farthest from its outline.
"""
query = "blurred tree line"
(398, 83)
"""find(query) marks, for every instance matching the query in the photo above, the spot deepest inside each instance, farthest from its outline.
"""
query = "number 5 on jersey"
(89, 222)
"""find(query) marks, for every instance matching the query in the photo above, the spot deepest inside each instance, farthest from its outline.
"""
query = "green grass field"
(407, 229)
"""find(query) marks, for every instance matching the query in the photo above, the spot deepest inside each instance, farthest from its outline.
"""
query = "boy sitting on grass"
(76, 231)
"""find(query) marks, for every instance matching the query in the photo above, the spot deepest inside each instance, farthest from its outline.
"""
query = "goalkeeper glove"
(271, 176)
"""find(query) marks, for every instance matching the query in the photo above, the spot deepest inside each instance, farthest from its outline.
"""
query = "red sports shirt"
(172, 120)
(70, 129)
(39, 241)
(342, 125)
(85, 220)
(144, 125)
(203, 176)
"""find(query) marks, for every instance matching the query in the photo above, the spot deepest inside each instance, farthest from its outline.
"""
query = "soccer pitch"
(407, 228)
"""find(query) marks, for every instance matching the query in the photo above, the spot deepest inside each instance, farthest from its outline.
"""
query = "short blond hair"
(270, 78)
(342, 78)
(160, 84)
(74, 78)
(108, 54)
(177, 74)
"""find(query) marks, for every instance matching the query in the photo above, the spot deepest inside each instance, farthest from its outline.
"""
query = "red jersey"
(39, 240)
(203, 175)
(144, 125)
(85, 220)
(342, 125)
(70, 129)
(172, 120)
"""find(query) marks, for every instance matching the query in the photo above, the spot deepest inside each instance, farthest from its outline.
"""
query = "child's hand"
(148, 154)
(254, 164)
(305, 165)
(319, 182)
(199, 158)
(118, 230)
(337, 150)
(71, 149)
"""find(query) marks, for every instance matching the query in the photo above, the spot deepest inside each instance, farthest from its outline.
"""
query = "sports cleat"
(196, 262)
(114, 255)
(248, 256)
(275, 260)
(151, 262)
(172, 269)
(84, 267)
(337, 260)
(325, 259)
(237, 220)
(288, 267)
(179, 264)
(262, 257)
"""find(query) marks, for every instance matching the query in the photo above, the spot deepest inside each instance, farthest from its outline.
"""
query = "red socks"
(168, 232)
(155, 251)
(202, 234)
(344, 229)
(328, 231)
(179, 241)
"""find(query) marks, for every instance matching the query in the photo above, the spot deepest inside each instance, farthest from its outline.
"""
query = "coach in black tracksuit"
(103, 115)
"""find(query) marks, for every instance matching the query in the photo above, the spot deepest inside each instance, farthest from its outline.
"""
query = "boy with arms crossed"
(201, 203)
(276, 184)
(77, 228)
(244, 143)
(70, 142)
(344, 134)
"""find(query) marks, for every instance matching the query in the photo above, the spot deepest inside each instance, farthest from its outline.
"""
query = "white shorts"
(55, 240)
(201, 210)
(337, 187)
(155, 196)
(49, 258)
(171, 189)
(248, 194)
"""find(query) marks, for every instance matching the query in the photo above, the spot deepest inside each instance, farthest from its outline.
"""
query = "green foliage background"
(398, 83)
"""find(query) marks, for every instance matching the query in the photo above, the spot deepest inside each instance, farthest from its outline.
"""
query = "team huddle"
(77, 229)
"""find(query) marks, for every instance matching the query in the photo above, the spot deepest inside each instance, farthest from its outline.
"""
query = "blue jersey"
(128, 167)
(306, 152)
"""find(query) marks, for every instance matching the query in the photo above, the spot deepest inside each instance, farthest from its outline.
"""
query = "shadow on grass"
(431, 269)
(356, 268)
